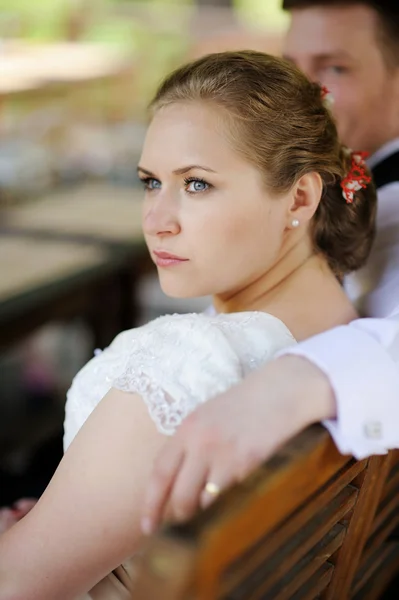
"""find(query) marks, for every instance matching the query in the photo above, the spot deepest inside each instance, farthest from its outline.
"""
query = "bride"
(249, 197)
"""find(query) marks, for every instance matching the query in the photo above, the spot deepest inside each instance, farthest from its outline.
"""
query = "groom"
(347, 377)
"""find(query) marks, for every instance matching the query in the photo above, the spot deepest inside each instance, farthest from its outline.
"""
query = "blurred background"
(75, 79)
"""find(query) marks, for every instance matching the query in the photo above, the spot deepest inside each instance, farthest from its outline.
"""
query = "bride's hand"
(229, 436)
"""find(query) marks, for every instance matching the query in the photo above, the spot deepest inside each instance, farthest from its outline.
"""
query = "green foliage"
(262, 13)
(157, 49)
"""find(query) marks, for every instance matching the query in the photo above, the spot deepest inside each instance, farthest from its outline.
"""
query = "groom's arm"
(361, 362)
(347, 377)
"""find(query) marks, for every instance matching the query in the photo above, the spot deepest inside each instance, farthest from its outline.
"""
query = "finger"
(187, 488)
(218, 480)
(163, 475)
(250, 461)
(233, 464)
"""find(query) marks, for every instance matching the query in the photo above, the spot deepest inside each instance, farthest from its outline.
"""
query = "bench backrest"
(309, 523)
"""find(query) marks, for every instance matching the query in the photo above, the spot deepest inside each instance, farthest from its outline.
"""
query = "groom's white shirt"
(361, 360)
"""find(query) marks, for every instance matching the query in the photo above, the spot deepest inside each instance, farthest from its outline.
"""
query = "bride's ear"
(305, 198)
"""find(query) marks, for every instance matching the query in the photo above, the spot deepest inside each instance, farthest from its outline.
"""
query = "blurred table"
(96, 212)
(74, 253)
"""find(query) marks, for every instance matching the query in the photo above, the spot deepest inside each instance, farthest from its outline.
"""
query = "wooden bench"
(309, 524)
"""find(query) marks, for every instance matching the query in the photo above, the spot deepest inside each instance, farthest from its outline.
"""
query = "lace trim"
(166, 412)
(175, 364)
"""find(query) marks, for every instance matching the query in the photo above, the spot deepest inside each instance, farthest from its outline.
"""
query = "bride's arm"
(87, 521)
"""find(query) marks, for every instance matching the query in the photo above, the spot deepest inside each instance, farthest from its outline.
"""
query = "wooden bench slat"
(359, 527)
(305, 465)
(392, 485)
(380, 536)
(317, 584)
(381, 577)
(165, 570)
(389, 551)
(270, 544)
(304, 570)
(390, 506)
(392, 479)
(294, 544)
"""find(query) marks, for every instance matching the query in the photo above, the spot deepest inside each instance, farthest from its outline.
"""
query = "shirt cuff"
(365, 382)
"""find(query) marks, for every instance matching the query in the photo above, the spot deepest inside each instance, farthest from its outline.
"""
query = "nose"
(160, 217)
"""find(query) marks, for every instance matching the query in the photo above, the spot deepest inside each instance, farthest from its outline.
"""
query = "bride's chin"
(180, 293)
(176, 290)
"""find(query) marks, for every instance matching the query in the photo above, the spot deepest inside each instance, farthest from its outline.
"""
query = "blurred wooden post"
(78, 15)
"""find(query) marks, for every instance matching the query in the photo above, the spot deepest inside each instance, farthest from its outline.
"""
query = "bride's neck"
(268, 285)
(300, 289)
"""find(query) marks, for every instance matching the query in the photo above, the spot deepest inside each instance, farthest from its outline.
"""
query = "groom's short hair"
(386, 10)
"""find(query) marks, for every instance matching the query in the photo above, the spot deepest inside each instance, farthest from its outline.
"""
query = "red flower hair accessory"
(326, 97)
(356, 178)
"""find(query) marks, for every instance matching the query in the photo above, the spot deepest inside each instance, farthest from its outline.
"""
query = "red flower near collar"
(327, 97)
(356, 178)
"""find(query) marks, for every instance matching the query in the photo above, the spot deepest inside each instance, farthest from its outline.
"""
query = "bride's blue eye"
(150, 183)
(196, 186)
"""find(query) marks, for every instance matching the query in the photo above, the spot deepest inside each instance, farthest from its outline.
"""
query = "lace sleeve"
(175, 363)
(178, 364)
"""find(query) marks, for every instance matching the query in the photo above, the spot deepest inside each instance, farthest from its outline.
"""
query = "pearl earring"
(295, 223)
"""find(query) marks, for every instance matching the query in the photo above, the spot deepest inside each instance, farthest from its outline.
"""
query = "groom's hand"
(226, 438)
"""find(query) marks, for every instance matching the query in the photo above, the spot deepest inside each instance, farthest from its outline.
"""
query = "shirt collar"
(383, 152)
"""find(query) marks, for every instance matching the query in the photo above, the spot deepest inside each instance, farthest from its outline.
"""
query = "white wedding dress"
(175, 363)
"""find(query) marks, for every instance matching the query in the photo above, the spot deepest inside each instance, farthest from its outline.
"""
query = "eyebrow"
(180, 171)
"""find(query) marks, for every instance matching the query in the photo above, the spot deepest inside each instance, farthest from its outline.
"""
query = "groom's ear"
(306, 195)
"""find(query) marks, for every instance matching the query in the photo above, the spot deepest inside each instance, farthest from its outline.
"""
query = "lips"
(165, 259)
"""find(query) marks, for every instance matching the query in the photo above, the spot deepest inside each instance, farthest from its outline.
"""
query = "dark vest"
(386, 171)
